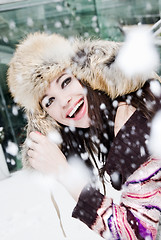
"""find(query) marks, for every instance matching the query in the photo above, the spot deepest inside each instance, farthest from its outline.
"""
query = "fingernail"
(38, 132)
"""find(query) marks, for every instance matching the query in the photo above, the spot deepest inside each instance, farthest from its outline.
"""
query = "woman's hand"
(45, 155)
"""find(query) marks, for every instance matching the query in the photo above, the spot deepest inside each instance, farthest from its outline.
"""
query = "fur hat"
(41, 57)
(37, 60)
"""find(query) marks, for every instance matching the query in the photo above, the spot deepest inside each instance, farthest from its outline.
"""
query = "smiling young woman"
(104, 118)
(66, 102)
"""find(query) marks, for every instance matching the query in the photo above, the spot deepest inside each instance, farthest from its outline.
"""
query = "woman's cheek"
(54, 113)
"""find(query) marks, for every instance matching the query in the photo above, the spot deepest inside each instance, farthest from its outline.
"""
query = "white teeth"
(75, 108)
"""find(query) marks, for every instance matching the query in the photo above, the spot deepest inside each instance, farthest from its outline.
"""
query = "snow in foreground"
(27, 211)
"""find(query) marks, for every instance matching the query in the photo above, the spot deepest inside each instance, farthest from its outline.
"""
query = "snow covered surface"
(27, 211)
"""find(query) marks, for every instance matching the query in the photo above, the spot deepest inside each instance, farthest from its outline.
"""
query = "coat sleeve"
(137, 215)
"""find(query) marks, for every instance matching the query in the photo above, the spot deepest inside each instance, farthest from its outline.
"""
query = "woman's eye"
(66, 82)
(49, 102)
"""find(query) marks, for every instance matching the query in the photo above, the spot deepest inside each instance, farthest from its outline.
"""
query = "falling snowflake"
(58, 24)
(115, 103)
(12, 148)
(5, 39)
(155, 87)
(59, 8)
(84, 156)
(12, 24)
(115, 176)
(142, 151)
(154, 143)
(97, 30)
(15, 110)
(94, 18)
(102, 106)
(138, 56)
(55, 137)
(12, 162)
(66, 21)
(103, 148)
(139, 92)
(86, 34)
(30, 22)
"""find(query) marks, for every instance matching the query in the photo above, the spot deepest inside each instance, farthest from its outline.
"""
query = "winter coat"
(134, 212)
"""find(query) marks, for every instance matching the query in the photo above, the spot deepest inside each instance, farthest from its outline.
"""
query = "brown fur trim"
(94, 63)
(37, 60)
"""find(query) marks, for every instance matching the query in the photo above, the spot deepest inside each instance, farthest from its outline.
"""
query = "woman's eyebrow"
(57, 80)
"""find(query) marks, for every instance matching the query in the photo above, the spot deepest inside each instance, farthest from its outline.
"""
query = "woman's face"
(66, 102)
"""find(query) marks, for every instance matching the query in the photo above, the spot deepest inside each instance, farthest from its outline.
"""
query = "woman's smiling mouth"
(78, 111)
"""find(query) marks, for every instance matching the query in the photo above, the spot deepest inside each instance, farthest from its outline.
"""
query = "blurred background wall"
(106, 19)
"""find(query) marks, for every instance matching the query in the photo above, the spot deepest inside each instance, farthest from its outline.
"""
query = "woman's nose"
(65, 100)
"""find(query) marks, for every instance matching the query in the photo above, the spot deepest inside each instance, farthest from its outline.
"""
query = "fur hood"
(41, 57)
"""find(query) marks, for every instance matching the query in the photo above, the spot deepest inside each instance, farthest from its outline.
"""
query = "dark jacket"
(138, 178)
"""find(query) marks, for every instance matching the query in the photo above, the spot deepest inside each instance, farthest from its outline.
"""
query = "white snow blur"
(15, 110)
(12, 148)
(139, 55)
(55, 137)
(27, 211)
(155, 87)
(78, 172)
(154, 143)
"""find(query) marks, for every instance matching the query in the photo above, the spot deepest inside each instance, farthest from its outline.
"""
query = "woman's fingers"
(31, 144)
(45, 155)
(31, 153)
(34, 159)
(36, 137)
(34, 163)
